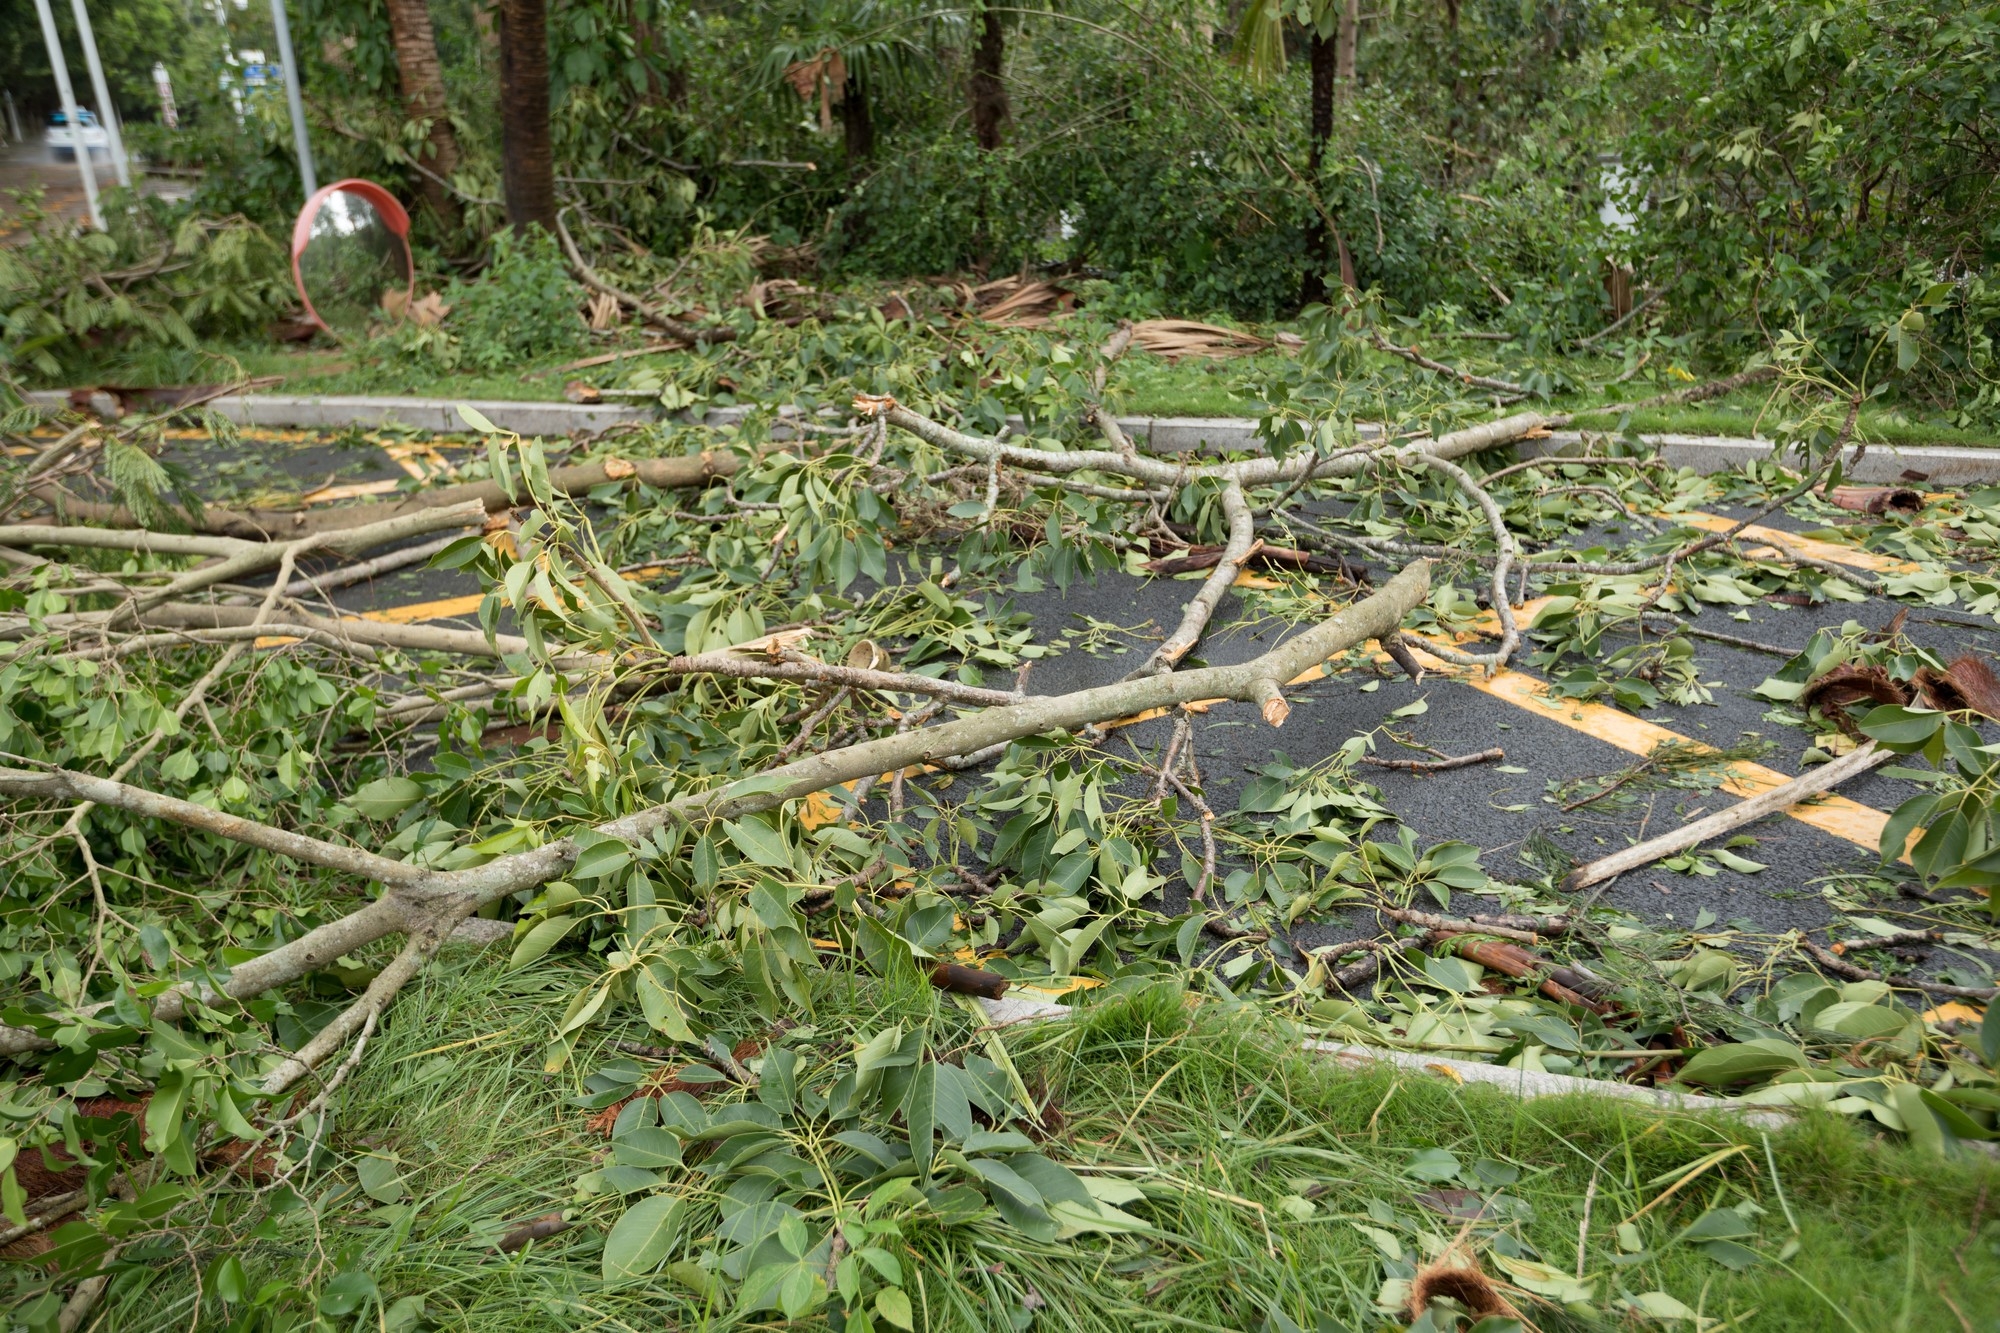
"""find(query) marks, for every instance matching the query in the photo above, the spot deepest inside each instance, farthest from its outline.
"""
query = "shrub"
(524, 306)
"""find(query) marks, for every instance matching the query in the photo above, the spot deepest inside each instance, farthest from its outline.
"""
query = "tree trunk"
(1454, 119)
(1347, 45)
(856, 123)
(528, 170)
(423, 101)
(1319, 250)
(987, 92)
(666, 80)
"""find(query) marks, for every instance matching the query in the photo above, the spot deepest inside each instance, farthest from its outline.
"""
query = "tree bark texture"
(528, 170)
(1319, 247)
(423, 101)
(1347, 45)
(988, 90)
(857, 124)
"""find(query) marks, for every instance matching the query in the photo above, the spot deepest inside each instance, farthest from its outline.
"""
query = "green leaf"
(1902, 729)
(894, 1307)
(642, 1237)
(381, 1179)
(1741, 1062)
(1742, 865)
(650, 1147)
(1432, 1164)
(163, 1112)
(347, 1293)
(1989, 1036)
(601, 859)
(920, 1114)
(1415, 709)
(385, 798)
(542, 938)
(760, 842)
(476, 419)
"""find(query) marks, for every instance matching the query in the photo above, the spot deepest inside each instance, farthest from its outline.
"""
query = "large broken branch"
(265, 524)
(1242, 535)
(427, 904)
(1249, 472)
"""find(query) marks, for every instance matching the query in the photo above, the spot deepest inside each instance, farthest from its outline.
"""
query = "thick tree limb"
(1195, 618)
(1260, 471)
(266, 524)
(429, 903)
(1825, 777)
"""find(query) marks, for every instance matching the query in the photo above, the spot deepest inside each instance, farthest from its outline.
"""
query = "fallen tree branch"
(677, 473)
(1567, 985)
(1417, 358)
(799, 667)
(1840, 967)
(426, 904)
(1201, 607)
(1825, 777)
(1445, 765)
(652, 314)
(1262, 470)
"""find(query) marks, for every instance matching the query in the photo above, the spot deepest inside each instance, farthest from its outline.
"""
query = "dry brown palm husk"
(1455, 1275)
(1173, 339)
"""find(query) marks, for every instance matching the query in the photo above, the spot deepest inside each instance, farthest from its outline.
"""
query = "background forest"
(1775, 164)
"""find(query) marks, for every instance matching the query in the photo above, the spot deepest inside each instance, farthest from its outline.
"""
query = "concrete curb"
(1521, 1083)
(1880, 463)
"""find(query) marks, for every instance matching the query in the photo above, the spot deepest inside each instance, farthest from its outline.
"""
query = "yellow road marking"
(1809, 546)
(1845, 819)
(416, 611)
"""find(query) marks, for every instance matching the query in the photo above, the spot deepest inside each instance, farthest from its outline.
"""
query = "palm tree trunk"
(1347, 45)
(527, 169)
(1319, 254)
(857, 125)
(987, 91)
(423, 101)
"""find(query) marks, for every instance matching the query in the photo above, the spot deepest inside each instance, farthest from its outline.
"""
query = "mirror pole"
(293, 102)
(60, 68)
(106, 112)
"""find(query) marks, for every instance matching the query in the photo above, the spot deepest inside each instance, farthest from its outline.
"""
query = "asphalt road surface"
(1549, 743)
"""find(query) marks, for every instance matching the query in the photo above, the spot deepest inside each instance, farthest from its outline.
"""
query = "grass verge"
(1281, 1193)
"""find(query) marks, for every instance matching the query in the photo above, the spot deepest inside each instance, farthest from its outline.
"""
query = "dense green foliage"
(1834, 169)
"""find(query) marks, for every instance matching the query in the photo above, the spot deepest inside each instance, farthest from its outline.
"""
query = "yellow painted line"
(416, 611)
(1848, 820)
(1782, 541)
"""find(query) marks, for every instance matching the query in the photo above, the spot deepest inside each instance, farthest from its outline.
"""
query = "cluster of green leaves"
(804, 1195)
(1839, 165)
(524, 305)
(160, 273)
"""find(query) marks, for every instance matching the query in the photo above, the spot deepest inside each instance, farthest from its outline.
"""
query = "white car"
(62, 140)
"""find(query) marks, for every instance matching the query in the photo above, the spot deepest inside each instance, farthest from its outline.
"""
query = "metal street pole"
(105, 111)
(68, 96)
(307, 176)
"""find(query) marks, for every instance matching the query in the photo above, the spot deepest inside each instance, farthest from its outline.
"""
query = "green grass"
(1261, 1166)
(1142, 385)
